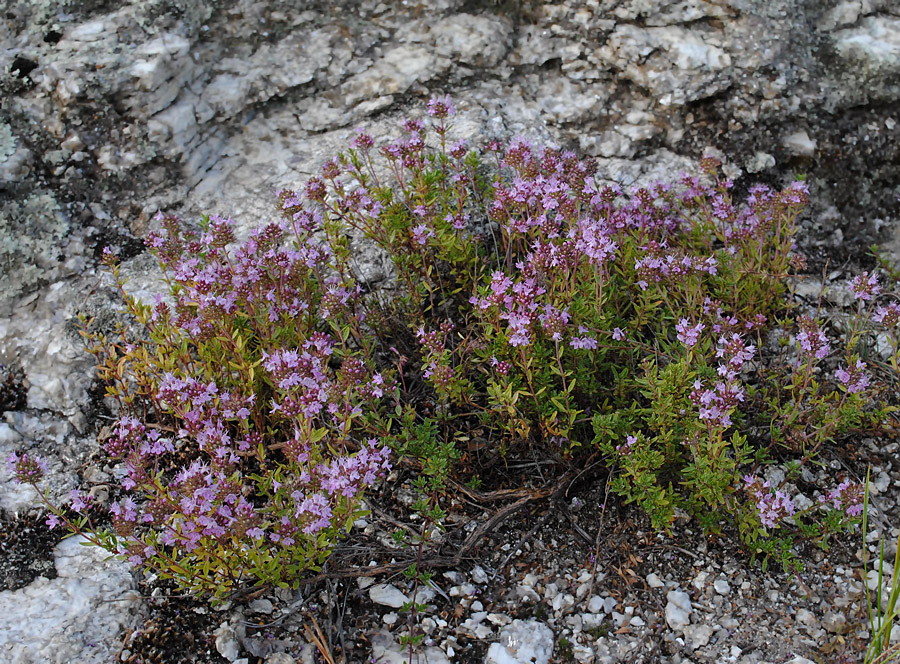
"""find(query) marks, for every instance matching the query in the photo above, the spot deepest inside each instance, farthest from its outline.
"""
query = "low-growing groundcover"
(531, 312)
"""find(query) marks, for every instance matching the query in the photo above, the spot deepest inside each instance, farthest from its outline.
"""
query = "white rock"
(463, 590)
(654, 581)
(799, 143)
(261, 606)
(678, 609)
(806, 617)
(875, 45)
(583, 654)
(697, 636)
(595, 605)
(522, 642)
(76, 617)
(609, 603)
(227, 643)
(722, 586)
(387, 595)
(424, 595)
(527, 594)
(563, 602)
(759, 162)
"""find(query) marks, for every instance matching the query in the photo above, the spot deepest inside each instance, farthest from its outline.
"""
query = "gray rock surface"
(75, 617)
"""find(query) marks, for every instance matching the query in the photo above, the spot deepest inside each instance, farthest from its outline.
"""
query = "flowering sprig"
(772, 505)
(853, 378)
(865, 286)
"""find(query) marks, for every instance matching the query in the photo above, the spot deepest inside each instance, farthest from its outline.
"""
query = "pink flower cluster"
(812, 339)
(865, 286)
(853, 378)
(307, 388)
(25, 468)
(772, 506)
(847, 496)
(888, 315)
(437, 367)
(687, 334)
(718, 402)
(660, 264)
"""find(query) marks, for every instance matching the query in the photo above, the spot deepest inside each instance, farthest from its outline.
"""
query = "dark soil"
(26, 549)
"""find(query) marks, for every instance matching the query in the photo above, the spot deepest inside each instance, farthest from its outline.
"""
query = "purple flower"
(771, 506)
(421, 234)
(853, 377)
(625, 448)
(78, 501)
(688, 335)
(848, 496)
(734, 351)
(618, 334)
(812, 339)
(888, 315)
(26, 469)
(440, 107)
(865, 285)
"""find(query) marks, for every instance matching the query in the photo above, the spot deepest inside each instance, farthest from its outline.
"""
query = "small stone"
(387, 595)
(609, 604)
(424, 595)
(808, 618)
(872, 579)
(280, 658)
(583, 654)
(522, 642)
(479, 575)
(563, 602)
(454, 577)
(390, 618)
(760, 162)
(261, 606)
(462, 590)
(527, 594)
(799, 143)
(227, 642)
(654, 581)
(700, 580)
(722, 586)
(678, 609)
(697, 636)
(596, 604)
(834, 622)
